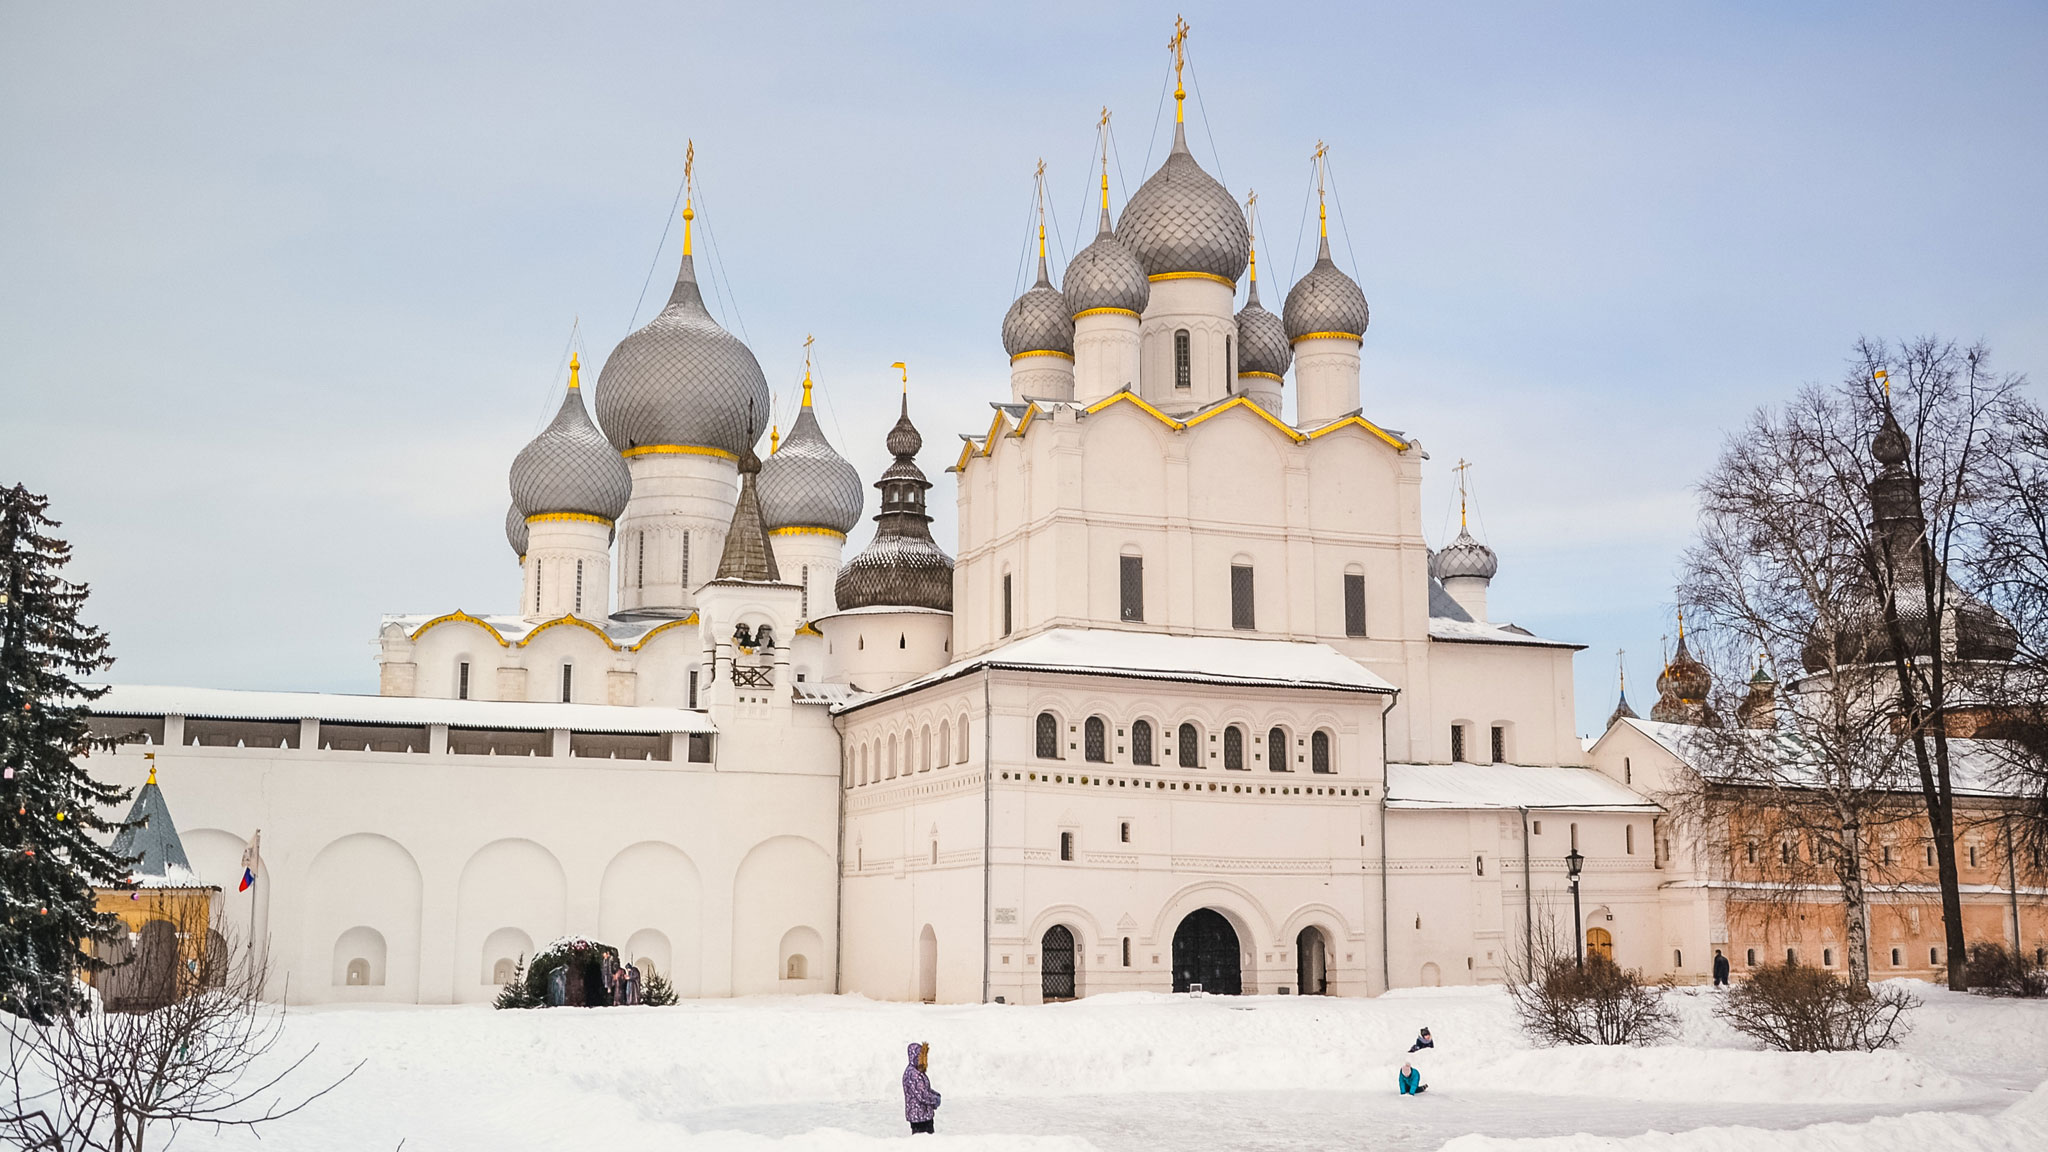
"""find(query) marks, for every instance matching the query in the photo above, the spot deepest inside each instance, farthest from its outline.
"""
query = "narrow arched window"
(1276, 750)
(1141, 742)
(960, 756)
(945, 742)
(1048, 736)
(1190, 746)
(1319, 752)
(1095, 740)
(1183, 369)
(1233, 748)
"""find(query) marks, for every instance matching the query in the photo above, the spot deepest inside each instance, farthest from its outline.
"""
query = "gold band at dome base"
(1106, 312)
(807, 530)
(677, 450)
(1156, 277)
(1263, 376)
(1328, 336)
(583, 517)
(1042, 352)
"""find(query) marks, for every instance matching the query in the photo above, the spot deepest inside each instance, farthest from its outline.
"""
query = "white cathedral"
(705, 735)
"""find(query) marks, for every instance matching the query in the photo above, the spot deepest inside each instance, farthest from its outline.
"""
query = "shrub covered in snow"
(1565, 1002)
(656, 992)
(1795, 1008)
(517, 993)
(1994, 971)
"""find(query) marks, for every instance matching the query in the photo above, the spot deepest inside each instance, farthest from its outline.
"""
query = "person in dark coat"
(1720, 969)
(1411, 1080)
(593, 985)
(632, 984)
(920, 1102)
(1422, 1041)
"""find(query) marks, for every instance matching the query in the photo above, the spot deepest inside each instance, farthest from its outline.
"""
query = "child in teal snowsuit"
(1411, 1080)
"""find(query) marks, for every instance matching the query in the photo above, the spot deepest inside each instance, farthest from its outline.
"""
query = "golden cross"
(689, 175)
(1251, 201)
(905, 368)
(1038, 181)
(1180, 58)
(689, 163)
(1104, 123)
(1463, 467)
(1884, 380)
(1322, 164)
(1621, 668)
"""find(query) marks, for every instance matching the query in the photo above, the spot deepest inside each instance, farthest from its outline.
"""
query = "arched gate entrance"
(1205, 953)
(1311, 962)
(1056, 964)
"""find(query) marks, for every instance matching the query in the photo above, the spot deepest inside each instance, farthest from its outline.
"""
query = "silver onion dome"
(1039, 320)
(1261, 338)
(682, 380)
(1326, 302)
(570, 467)
(1464, 557)
(515, 530)
(1182, 220)
(1106, 274)
(806, 484)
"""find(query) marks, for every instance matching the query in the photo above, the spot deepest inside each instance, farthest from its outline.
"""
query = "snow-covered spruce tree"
(52, 851)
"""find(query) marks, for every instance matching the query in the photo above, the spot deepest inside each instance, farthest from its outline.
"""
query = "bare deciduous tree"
(1831, 528)
(97, 1081)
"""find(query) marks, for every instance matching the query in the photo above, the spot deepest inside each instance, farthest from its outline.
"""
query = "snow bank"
(2021, 1128)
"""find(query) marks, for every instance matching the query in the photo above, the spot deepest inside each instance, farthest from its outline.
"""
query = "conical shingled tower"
(748, 555)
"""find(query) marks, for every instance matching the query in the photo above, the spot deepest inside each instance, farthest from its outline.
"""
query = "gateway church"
(1191, 702)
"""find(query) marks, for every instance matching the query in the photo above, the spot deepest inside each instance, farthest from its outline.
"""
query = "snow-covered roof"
(1157, 656)
(1974, 764)
(338, 708)
(1508, 786)
(1483, 632)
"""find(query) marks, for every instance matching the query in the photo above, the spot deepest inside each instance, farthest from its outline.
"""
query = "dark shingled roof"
(748, 555)
(151, 835)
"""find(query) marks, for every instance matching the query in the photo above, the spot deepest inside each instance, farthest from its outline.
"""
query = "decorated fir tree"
(657, 992)
(52, 833)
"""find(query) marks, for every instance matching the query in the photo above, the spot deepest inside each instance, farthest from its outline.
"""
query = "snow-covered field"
(1144, 1072)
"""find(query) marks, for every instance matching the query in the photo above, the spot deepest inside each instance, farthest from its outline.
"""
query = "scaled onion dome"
(903, 566)
(805, 484)
(1106, 274)
(570, 467)
(1182, 221)
(515, 530)
(682, 381)
(1039, 321)
(1683, 688)
(1325, 302)
(1261, 340)
(1464, 556)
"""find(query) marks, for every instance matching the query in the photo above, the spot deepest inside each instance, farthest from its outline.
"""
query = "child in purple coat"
(920, 1103)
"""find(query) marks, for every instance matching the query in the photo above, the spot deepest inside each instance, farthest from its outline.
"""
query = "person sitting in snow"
(1422, 1041)
(920, 1102)
(1411, 1080)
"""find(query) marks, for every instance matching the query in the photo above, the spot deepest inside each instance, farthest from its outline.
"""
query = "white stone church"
(1192, 703)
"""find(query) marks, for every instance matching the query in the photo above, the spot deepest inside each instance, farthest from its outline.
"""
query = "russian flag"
(248, 878)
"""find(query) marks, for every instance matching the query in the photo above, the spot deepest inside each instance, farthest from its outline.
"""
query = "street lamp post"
(1572, 865)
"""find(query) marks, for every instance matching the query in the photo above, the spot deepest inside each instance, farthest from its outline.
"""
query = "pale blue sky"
(284, 287)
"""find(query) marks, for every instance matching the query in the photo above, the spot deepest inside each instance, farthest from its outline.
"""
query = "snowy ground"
(1146, 1072)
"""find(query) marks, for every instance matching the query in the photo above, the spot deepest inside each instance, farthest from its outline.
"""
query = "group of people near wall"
(604, 983)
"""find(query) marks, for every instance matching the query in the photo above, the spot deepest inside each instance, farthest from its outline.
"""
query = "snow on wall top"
(339, 708)
(1481, 632)
(1507, 786)
(1154, 656)
(1975, 764)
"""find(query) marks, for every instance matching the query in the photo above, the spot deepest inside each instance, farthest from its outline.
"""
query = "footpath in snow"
(1145, 1071)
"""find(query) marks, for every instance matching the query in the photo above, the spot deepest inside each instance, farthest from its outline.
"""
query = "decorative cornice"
(571, 619)
(806, 530)
(659, 629)
(1352, 336)
(461, 617)
(1263, 376)
(581, 517)
(1245, 402)
(678, 450)
(1107, 312)
(1156, 277)
(1398, 444)
(1042, 352)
